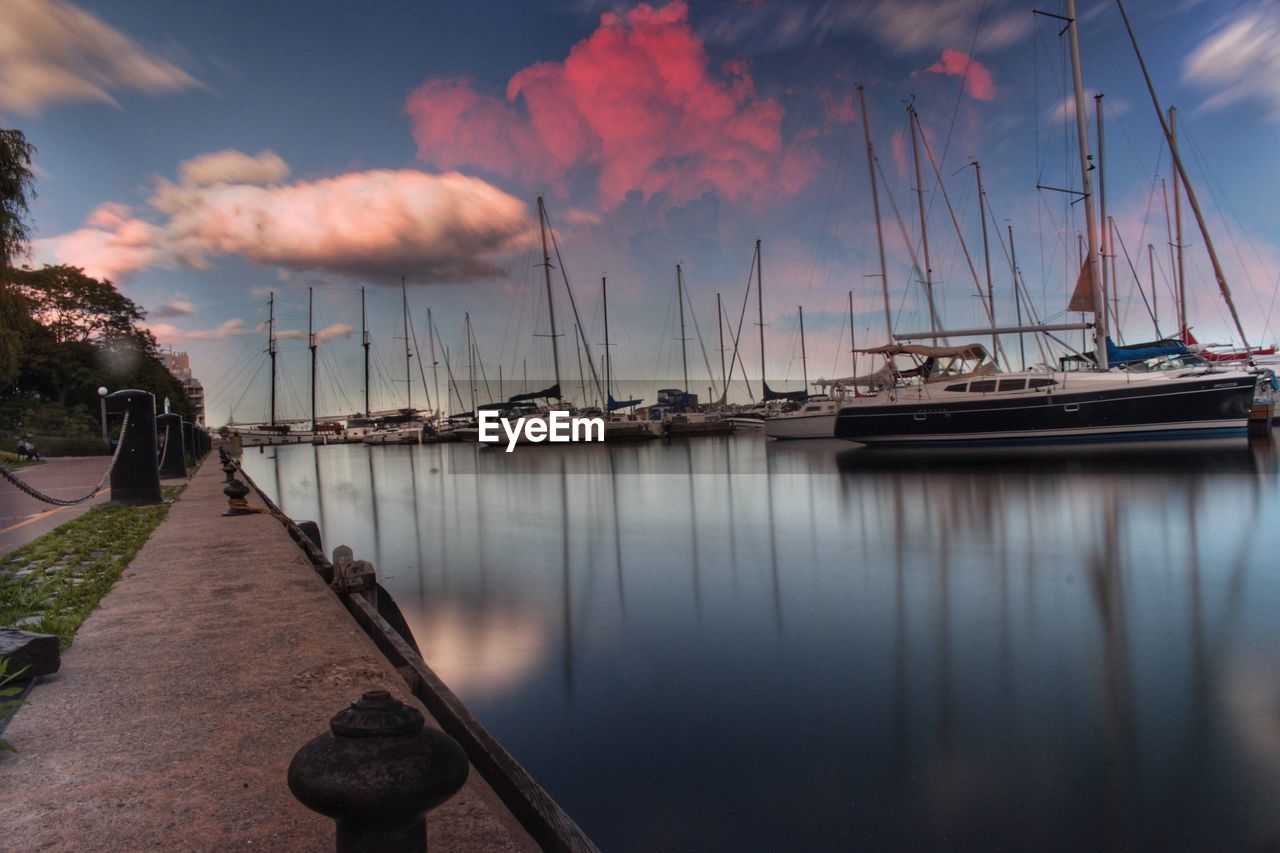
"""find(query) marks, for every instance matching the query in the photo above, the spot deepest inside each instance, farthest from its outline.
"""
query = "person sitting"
(27, 450)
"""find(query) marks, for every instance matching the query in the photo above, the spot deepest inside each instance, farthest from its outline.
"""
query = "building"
(179, 364)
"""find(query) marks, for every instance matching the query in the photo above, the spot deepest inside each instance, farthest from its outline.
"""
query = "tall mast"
(804, 357)
(408, 352)
(435, 367)
(684, 356)
(1105, 249)
(311, 342)
(986, 257)
(875, 206)
(364, 336)
(1221, 276)
(608, 353)
(764, 387)
(551, 302)
(1155, 304)
(913, 121)
(471, 360)
(271, 349)
(1017, 301)
(1177, 224)
(724, 379)
(582, 377)
(1086, 189)
(853, 346)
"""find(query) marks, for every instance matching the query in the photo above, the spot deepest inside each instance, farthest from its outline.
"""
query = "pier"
(177, 710)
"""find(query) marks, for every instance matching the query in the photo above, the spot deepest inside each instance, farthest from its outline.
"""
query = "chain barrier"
(41, 496)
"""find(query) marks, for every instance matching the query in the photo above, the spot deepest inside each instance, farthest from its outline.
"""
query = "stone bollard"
(173, 463)
(189, 439)
(236, 493)
(135, 479)
(377, 772)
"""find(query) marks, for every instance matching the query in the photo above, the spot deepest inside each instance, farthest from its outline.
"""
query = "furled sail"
(794, 396)
(552, 393)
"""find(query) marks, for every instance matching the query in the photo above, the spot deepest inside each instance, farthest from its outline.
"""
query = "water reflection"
(726, 644)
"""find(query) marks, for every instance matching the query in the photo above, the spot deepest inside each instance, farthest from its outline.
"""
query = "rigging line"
(573, 303)
(964, 79)
(448, 369)
(484, 377)
(417, 351)
(1134, 270)
(915, 265)
(746, 297)
(737, 355)
(694, 315)
(247, 387)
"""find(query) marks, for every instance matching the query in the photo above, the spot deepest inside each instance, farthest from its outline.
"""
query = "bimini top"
(974, 351)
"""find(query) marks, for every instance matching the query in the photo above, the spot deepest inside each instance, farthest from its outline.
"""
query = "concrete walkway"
(186, 694)
(23, 518)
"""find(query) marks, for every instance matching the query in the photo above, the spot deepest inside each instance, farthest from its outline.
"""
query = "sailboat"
(407, 425)
(683, 415)
(814, 418)
(275, 431)
(1112, 394)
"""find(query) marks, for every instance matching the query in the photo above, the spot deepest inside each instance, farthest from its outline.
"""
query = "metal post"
(102, 407)
(135, 478)
(173, 463)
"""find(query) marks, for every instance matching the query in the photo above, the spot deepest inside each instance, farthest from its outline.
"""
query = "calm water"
(728, 644)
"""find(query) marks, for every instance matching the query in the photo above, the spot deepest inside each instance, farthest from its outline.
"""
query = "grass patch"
(53, 583)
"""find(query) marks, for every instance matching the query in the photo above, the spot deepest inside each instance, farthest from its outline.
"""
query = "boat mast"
(311, 343)
(582, 377)
(1086, 189)
(1017, 301)
(271, 349)
(364, 335)
(608, 354)
(875, 206)
(853, 346)
(551, 302)
(804, 358)
(471, 360)
(764, 386)
(724, 378)
(1104, 235)
(1177, 224)
(1186, 183)
(435, 365)
(1155, 304)
(986, 257)
(913, 122)
(408, 352)
(684, 355)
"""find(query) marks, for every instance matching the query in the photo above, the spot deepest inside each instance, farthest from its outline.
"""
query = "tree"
(16, 179)
(77, 307)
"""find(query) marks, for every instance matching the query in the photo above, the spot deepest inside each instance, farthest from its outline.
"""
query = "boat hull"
(800, 426)
(1210, 406)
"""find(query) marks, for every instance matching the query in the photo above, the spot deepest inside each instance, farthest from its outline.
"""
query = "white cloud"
(175, 308)
(337, 330)
(1241, 61)
(53, 52)
(378, 224)
(229, 329)
(233, 167)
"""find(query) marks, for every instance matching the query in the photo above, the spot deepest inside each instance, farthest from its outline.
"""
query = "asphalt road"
(23, 518)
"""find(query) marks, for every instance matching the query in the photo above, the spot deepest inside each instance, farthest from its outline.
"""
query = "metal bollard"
(189, 439)
(230, 471)
(135, 479)
(236, 493)
(377, 772)
(173, 463)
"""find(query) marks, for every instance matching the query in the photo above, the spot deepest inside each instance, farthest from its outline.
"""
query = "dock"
(185, 695)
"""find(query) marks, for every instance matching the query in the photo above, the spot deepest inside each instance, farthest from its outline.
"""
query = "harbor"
(656, 426)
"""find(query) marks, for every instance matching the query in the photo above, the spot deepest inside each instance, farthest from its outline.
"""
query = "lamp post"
(102, 406)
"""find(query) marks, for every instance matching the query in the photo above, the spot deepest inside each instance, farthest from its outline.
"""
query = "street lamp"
(102, 405)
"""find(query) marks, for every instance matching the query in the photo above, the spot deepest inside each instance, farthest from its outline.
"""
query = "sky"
(202, 156)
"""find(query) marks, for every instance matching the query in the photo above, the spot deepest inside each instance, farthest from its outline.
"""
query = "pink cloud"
(636, 103)
(112, 244)
(978, 82)
(898, 143)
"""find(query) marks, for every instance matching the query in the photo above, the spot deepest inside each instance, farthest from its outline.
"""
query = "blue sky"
(331, 146)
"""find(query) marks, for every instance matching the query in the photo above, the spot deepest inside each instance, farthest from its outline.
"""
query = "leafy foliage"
(16, 180)
(75, 307)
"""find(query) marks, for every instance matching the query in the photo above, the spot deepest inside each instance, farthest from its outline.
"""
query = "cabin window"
(984, 387)
(961, 387)
(1012, 384)
(1042, 383)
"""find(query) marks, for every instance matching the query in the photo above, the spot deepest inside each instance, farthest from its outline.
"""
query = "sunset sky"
(203, 154)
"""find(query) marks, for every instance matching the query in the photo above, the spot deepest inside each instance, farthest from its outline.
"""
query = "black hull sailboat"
(1064, 408)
